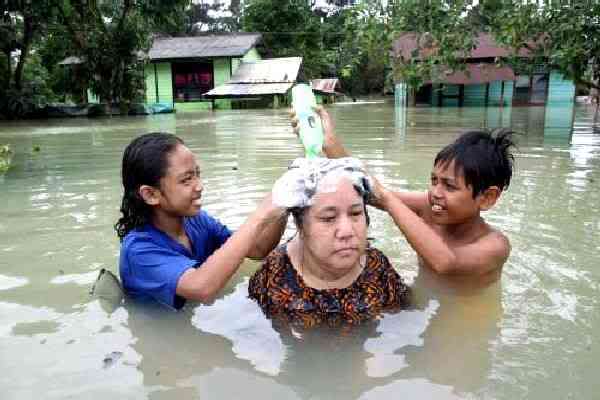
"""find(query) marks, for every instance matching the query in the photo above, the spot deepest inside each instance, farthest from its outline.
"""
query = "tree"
(443, 34)
(564, 33)
(22, 23)
(363, 38)
(111, 37)
(289, 28)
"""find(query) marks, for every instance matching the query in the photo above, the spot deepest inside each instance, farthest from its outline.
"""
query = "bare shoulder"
(494, 247)
(485, 253)
(498, 241)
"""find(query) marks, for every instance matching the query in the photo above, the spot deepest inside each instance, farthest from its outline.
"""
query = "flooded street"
(532, 335)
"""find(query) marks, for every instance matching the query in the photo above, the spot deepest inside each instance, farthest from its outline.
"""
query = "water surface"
(532, 335)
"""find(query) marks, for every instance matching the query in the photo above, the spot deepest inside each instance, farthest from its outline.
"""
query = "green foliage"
(33, 95)
(567, 34)
(443, 32)
(111, 36)
(22, 25)
(5, 158)
(362, 57)
(289, 28)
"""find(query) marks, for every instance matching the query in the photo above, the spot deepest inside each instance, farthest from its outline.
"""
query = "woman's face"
(334, 228)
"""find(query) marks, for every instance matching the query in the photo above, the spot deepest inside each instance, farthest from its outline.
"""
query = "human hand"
(328, 125)
(379, 194)
(269, 210)
(294, 122)
(326, 121)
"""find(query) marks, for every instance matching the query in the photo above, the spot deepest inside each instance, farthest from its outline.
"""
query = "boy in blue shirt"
(171, 249)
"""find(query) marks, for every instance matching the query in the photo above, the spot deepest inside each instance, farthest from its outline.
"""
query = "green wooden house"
(179, 71)
(483, 82)
(182, 69)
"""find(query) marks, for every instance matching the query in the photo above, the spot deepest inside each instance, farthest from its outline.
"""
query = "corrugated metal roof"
(262, 77)
(271, 70)
(486, 47)
(477, 73)
(249, 89)
(328, 86)
(223, 45)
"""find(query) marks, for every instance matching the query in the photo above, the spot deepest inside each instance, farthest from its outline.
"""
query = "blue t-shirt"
(151, 262)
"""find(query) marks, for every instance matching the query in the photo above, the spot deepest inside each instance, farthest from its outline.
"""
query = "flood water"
(532, 335)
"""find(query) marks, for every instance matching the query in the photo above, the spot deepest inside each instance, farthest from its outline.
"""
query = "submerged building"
(483, 82)
(215, 71)
(181, 70)
(259, 83)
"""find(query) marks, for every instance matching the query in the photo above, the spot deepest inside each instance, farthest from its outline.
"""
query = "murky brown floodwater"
(533, 335)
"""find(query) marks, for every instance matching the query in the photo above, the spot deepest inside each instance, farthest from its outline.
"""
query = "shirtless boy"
(444, 224)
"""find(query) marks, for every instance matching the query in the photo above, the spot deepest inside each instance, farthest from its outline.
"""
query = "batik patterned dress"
(282, 294)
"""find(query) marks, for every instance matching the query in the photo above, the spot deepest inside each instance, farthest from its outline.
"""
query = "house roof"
(406, 46)
(270, 70)
(216, 45)
(248, 90)
(269, 76)
(476, 74)
(327, 86)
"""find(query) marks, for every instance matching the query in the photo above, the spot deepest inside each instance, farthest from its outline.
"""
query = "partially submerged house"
(259, 83)
(216, 71)
(182, 69)
(326, 89)
(484, 82)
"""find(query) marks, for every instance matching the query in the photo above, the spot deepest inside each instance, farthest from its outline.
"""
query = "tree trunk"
(9, 66)
(25, 45)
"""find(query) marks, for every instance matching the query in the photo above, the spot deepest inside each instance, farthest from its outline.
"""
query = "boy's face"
(451, 199)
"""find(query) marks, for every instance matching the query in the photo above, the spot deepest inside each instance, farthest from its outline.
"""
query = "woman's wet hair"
(298, 213)
(483, 157)
(145, 162)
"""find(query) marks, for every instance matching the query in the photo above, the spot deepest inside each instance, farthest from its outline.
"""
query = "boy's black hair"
(483, 157)
(144, 163)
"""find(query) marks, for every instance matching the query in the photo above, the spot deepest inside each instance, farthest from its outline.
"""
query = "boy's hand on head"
(379, 194)
(294, 122)
(328, 125)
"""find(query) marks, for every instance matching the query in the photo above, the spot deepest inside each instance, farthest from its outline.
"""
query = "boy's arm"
(488, 253)
(332, 146)
(416, 201)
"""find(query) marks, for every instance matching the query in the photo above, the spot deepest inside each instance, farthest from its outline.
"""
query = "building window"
(191, 80)
(531, 89)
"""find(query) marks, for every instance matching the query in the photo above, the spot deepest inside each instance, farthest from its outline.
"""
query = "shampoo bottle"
(311, 129)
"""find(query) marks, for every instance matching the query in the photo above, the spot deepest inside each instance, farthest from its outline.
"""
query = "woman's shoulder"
(379, 268)
(376, 259)
(275, 262)
(274, 274)
(277, 256)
